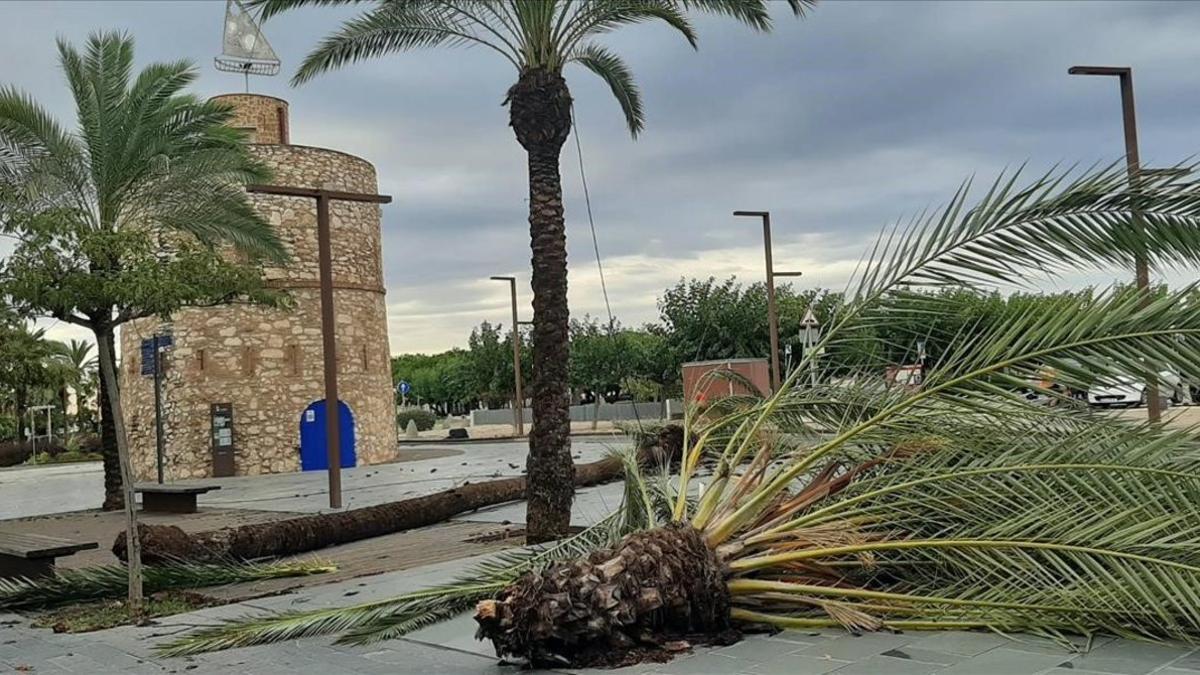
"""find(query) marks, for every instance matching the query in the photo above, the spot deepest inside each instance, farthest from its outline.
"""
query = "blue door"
(313, 454)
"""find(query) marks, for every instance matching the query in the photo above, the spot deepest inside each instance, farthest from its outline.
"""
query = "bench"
(171, 498)
(32, 555)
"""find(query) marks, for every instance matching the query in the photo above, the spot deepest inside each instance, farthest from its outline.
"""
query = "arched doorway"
(313, 454)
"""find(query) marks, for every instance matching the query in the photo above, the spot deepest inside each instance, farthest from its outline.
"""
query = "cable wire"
(612, 333)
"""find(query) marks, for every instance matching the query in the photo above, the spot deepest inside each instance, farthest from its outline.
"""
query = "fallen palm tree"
(109, 581)
(310, 533)
(959, 504)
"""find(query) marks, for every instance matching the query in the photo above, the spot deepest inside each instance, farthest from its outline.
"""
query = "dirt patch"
(92, 616)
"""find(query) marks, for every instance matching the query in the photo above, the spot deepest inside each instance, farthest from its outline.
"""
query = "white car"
(1127, 390)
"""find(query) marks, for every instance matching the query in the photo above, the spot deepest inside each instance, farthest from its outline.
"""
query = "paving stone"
(1072, 671)
(703, 663)
(756, 649)
(1128, 657)
(959, 642)
(876, 665)
(803, 637)
(855, 647)
(1004, 661)
(457, 633)
(1040, 645)
(923, 655)
(798, 664)
(73, 662)
(1190, 661)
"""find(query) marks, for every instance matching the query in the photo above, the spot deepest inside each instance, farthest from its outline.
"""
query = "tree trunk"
(114, 498)
(64, 399)
(655, 586)
(20, 403)
(108, 375)
(308, 533)
(540, 115)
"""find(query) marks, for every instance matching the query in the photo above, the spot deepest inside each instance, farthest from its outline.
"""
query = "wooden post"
(328, 324)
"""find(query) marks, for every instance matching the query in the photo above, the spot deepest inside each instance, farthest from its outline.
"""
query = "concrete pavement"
(451, 648)
(44, 490)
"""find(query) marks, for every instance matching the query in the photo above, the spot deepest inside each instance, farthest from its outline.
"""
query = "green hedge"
(424, 419)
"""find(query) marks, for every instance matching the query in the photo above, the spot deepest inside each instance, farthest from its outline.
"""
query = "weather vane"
(244, 49)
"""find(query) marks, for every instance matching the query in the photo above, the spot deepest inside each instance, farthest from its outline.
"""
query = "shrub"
(13, 453)
(424, 419)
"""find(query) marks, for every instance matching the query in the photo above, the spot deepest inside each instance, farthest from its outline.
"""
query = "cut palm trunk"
(309, 533)
(657, 585)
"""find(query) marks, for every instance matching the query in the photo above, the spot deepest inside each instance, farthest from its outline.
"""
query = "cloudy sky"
(839, 124)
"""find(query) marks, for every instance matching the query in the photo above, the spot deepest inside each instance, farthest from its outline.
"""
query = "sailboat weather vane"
(244, 48)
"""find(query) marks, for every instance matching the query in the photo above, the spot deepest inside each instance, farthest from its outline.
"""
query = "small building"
(243, 386)
(701, 384)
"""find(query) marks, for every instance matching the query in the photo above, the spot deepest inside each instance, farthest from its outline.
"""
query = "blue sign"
(148, 355)
(403, 387)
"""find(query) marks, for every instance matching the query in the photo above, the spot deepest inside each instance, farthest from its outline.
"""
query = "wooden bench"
(169, 498)
(32, 555)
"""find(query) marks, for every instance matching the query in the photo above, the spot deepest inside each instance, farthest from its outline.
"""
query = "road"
(44, 490)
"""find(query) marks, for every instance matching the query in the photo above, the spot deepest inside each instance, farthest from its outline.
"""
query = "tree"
(539, 38)
(961, 504)
(25, 367)
(139, 213)
(78, 368)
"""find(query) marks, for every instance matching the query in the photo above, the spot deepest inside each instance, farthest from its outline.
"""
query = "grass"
(65, 457)
(92, 616)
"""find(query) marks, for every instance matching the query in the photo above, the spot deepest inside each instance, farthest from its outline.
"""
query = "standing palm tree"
(25, 368)
(90, 208)
(539, 38)
(78, 365)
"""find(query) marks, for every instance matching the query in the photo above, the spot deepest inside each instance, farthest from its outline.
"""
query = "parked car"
(1127, 390)
(1047, 389)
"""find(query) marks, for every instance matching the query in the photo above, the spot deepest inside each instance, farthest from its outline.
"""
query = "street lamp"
(518, 399)
(772, 313)
(1124, 75)
(812, 335)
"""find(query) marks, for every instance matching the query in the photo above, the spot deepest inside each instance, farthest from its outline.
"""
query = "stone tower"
(265, 365)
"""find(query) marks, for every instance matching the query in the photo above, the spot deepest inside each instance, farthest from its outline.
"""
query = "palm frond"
(610, 68)
(110, 581)
(397, 27)
(394, 617)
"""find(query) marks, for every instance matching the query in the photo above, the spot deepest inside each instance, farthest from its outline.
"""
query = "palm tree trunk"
(654, 586)
(540, 115)
(114, 498)
(163, 543)
(108, 375)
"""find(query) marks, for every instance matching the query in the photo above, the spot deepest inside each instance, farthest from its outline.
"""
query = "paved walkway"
(42, 490)
(451, 647)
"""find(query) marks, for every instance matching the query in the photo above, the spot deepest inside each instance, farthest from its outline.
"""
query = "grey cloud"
(840, 124)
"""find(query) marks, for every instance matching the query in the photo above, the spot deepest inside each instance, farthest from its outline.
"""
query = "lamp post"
(812, 335)
(772, 311)
(1124, 75)
(518, 398)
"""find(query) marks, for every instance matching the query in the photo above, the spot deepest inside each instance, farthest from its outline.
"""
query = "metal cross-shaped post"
(518, 396)
(328, 327)
(772, 312)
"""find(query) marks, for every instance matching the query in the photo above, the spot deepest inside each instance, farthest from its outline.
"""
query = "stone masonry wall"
(268, 362)
(265, 117)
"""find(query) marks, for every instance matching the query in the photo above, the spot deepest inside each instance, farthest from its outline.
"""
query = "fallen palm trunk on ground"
(110, 581)
(956, 505)
(309, 533)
